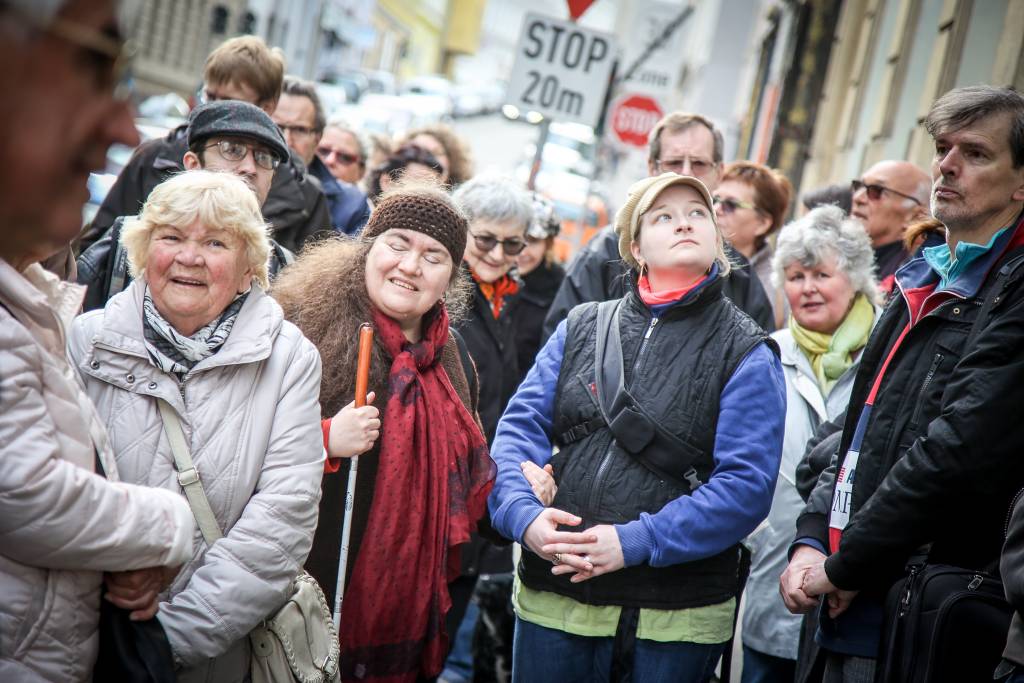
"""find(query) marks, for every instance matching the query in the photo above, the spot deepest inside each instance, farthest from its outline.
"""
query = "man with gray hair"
(684, 143)
(886, 199)
(930, 453)
(300, 116)
(67, 524)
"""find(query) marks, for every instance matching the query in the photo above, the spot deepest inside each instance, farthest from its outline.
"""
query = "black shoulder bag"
(944, 623)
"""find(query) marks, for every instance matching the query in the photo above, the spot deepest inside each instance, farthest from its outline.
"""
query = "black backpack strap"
(635, 430)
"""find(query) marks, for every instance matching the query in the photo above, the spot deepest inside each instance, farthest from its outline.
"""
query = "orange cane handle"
(363, 368)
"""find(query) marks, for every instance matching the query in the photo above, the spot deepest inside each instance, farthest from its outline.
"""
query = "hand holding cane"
(362, 382)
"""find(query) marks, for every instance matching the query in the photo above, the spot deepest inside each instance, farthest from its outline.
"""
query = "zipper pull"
(975, 582)
(650, 328)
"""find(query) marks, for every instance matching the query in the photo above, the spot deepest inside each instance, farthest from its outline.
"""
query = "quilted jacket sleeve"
(55, 514)
(246, 575)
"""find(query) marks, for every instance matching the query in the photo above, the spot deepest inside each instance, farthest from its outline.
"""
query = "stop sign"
(633, 117)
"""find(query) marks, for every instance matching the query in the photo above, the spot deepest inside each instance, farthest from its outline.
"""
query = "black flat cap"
(236, 119)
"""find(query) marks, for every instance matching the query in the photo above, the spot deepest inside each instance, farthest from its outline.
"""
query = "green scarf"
(832, 354)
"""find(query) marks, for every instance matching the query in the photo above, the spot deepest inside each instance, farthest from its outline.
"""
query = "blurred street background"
(849, 80)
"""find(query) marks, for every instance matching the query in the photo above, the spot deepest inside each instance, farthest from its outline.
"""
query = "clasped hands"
(584, 554)
(138, 589)
(805, 581)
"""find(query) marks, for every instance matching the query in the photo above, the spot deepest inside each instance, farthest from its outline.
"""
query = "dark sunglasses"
(345, 158)
(875, 191)
(511, 247)
(729, 205)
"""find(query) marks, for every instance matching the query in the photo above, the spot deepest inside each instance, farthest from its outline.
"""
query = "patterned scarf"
(173, 351)
(495, 292)
(832, 354)
(433, 478)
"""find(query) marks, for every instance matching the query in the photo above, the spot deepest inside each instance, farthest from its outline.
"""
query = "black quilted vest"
(677, 367)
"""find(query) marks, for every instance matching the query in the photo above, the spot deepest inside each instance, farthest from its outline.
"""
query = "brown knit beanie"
(426, 211)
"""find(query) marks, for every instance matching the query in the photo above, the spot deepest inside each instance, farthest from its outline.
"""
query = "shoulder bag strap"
(609, 368)
(188, 476)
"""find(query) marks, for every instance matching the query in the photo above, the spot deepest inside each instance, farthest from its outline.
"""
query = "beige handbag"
(299, 641)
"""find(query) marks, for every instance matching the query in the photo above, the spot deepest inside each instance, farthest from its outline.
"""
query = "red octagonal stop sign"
(633, 117)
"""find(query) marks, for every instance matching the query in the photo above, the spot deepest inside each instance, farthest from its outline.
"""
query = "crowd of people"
(726, 419)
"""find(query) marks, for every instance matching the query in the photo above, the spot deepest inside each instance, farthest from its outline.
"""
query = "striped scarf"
(173, 351)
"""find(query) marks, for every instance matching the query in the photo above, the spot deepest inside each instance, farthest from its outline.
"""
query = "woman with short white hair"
(824, 263)
(196, 333)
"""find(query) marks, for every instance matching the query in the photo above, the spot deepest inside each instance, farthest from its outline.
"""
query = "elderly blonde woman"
(632, 570)
(824, 264)
(196, 330)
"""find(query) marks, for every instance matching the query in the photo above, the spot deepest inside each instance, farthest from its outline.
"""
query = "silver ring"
(558, 558)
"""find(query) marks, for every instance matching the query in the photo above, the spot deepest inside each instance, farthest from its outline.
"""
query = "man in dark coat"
(302, 120)
(684, 143)
(929, 454)
(242, 68)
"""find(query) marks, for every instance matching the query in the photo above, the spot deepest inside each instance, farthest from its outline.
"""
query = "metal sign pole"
(542, 140)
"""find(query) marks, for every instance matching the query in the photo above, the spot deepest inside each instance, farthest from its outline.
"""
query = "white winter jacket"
(61, 525)
(768, 626)
(251, 415)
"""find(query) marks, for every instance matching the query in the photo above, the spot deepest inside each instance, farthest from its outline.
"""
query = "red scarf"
(433, 479)
(666, 296)
(495, 292)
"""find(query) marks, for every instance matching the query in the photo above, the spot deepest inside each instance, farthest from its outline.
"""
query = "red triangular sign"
(578, 7)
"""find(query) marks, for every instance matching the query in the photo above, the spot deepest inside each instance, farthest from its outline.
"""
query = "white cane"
(362, 382)
(346, 532)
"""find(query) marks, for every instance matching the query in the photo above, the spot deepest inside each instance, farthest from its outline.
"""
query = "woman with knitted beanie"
(425, 473)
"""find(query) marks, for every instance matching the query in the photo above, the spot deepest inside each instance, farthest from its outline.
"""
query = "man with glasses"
(242, 69)
(225, 135)
(62, 525)
(301, 118)
(684, 143)
(886, 199)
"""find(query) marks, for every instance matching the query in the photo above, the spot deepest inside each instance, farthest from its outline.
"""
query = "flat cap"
(235, 118)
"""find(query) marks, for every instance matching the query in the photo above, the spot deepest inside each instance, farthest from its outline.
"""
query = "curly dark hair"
(396, 164)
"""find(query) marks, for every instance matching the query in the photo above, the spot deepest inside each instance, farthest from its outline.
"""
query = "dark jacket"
(492, 346)
(539, 288)
(598, 273)
(1011, 567)
(347, 203)
(296, 207)
(939, 458)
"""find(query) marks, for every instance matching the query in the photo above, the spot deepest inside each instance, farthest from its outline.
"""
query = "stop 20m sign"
(561, 70)
(633, 117)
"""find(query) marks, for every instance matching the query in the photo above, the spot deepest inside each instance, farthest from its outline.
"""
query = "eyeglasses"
(729, 204)
(698, 165)
(347, 159)
(512, 246)
(109, 55)
(302, 131)
(232, 150)
(875, 191)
